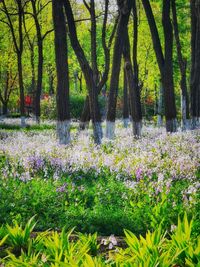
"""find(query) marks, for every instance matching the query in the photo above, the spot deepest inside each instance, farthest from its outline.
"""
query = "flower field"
(135, 184)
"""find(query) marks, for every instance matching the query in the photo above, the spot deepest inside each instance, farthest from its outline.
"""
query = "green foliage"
(91, 203)
(156, 248)
(18, 237)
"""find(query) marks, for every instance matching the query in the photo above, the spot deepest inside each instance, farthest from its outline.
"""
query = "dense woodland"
(140, 56)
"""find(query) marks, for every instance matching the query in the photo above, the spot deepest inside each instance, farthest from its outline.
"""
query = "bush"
(48, 107)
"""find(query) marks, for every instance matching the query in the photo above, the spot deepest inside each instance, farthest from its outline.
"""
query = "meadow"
(140, 185)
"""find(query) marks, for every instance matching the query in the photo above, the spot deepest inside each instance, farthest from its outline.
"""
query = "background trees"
(153, 37)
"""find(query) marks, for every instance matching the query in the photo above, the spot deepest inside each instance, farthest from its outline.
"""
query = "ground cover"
(126, 183)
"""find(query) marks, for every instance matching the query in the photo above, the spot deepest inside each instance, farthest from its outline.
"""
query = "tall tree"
(88, 74)
(63, 113)
(165, 60)
(134, 93)
(17, 36)
(124, 14)
(40, 61)
(183, 69)
(37, 9)
(85, 117)
(195, 62)
(135, 45)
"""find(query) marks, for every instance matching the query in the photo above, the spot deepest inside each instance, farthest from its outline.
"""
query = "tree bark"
(5, 108)
(135, 104)
(164, 61)
(183, 69)
(40, 63)
(124, 9)
(88, 74)
(125, 101)
(195, 61)
(85, 116)
(62, 97)
(167, 77)
(135, 44)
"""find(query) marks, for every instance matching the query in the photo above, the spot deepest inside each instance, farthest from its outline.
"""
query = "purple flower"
(62, 188)
(138, 174)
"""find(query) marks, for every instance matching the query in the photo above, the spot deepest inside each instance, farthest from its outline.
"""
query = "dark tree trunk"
(195, 68)
(62, 97)
(135, 104)
(94, 42)
(164, 63)
(85, 116)
(167, 77)
(80, 82)
(88, 73)
(106, 48)
(40, 63)
(135, 44)
(5, 108)
(183, 69)
(125, 102)
(124, 9)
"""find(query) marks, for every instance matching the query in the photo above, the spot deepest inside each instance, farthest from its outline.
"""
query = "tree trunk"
(167, 76)
(164, 63)
(124, 9)
(85, 116)
(61, 52)
(88, 73)
(183, 69)
(135, 104)
(40, 63)
(125, 102)
(135, 45)
(5, 108)
(195, 69)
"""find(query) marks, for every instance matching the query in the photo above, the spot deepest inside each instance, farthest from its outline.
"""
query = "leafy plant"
(18, 236)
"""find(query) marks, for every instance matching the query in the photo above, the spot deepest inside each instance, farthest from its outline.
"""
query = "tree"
(195, 62)
(165, 60)
(18, 44)
(37, 8)
(100, 83)
(63, 113)
(88, 74)
(124, 14)
(183, 69)
(134, 93)
(40, 61)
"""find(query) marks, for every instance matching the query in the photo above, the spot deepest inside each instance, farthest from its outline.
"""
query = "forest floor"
(137, 184)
